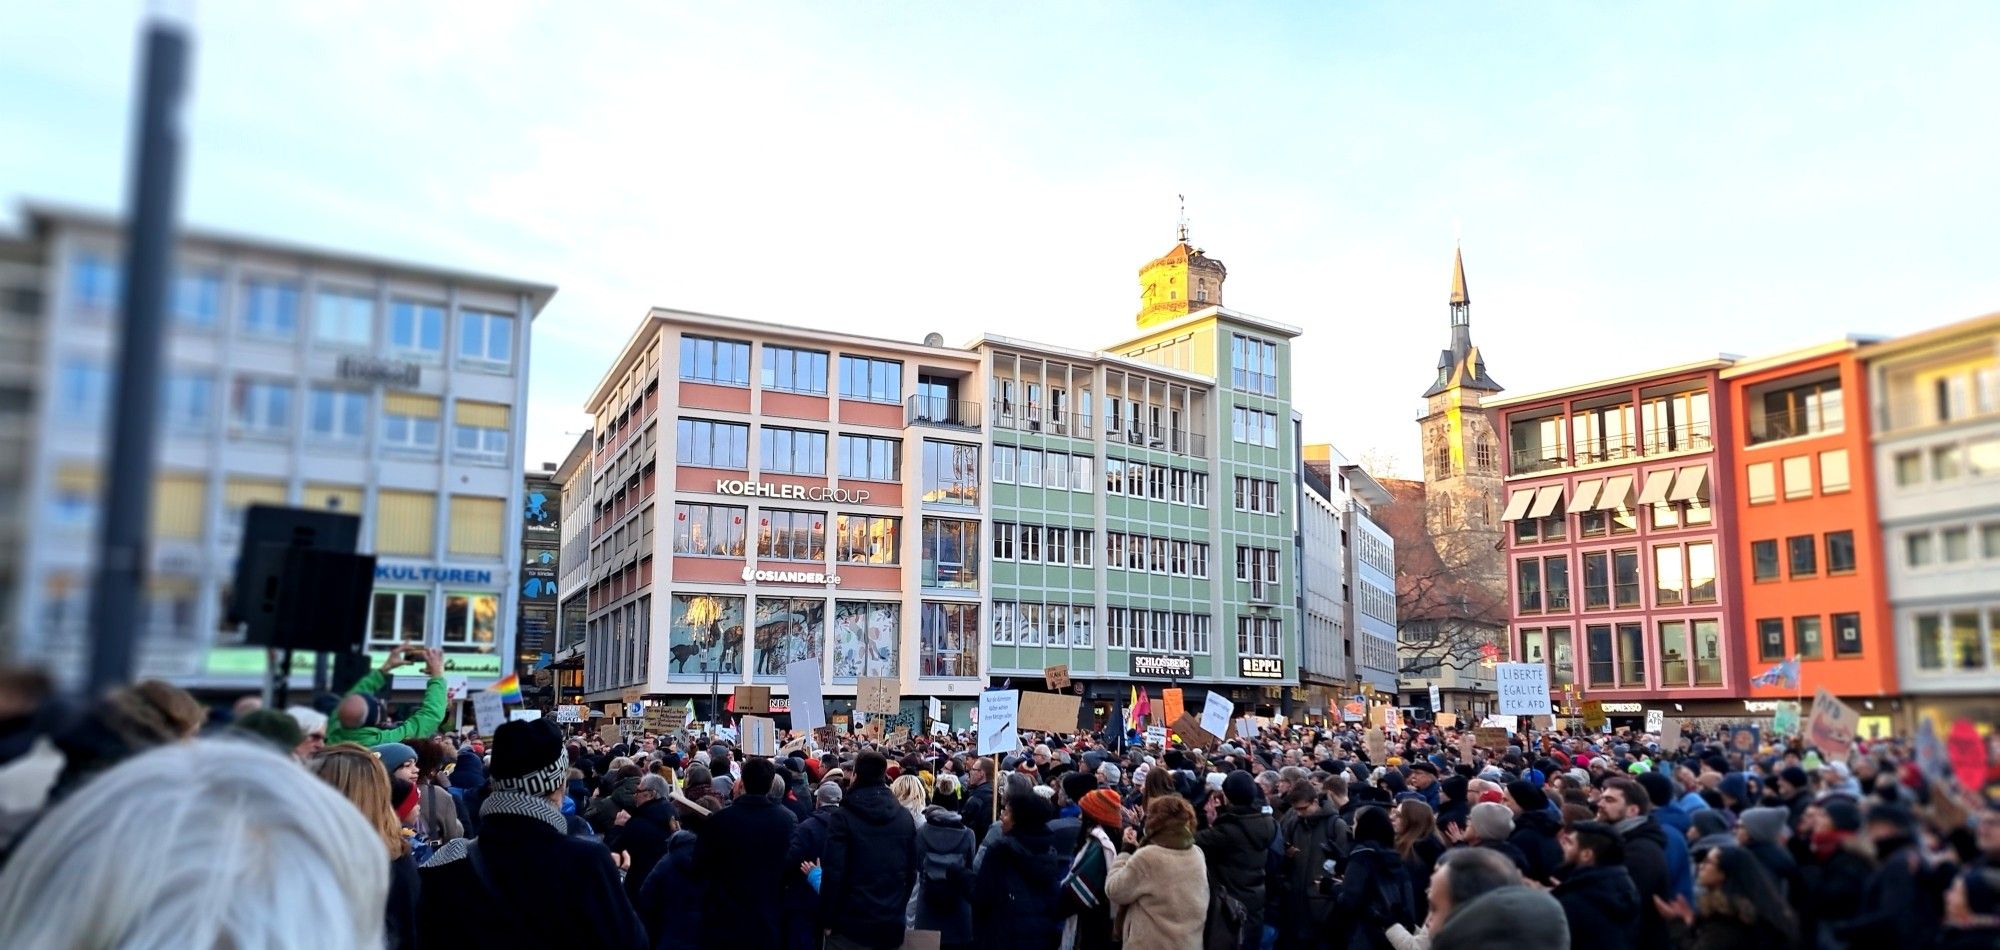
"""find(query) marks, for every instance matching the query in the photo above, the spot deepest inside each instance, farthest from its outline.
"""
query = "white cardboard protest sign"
(1156, 736)
(1656, 719)
(760, 735)
(1246, 727)
(808, 705)
(999, 732)
(489, 710)
(523, 715)
(1524, 689)
(1215, 713)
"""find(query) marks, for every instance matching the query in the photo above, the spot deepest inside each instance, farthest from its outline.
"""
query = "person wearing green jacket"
(360, 715)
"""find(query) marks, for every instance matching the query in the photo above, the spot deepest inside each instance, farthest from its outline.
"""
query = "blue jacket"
(671, 898)
(1680, 864)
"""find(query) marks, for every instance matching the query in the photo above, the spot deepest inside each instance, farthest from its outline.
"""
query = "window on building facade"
(1807, 409)
(411, 422)
(869, 539)
(1254, 426)
(1631, 655)
(96, 282)
(865, 638)
(710, 444)
(1833, 475)
(260, 408)
(1847, 635)
(1802, 555)
(1483, 456)
(470, 619)
(190, 402)
(1764, 559)
(416, 330)
(336, 416)
(1798, 477)
(270, 308)
(710, 530)
(791, 370)
(1761, 482)
(1840, 552)
(1807, 643)
(795, 451)
(871, 380)
(718, 362)
(1257, 636)
(950, 647)
(951, 554)
(791, 535)
(344, 318)
(952, 474)
(1771, 640)
(1253, 365)
(867, 457)
(480, 432)
(1676, 422)
(1528, 585)
(398, 617)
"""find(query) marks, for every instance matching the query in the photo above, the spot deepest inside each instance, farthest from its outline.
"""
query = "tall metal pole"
(124, 535)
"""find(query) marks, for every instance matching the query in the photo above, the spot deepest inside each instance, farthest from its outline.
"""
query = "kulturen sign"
(752, 573)
(737, 486)
(429, 574)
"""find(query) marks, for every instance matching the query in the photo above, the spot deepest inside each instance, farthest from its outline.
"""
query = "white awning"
(1688, 483)
(1657, 484)
(1586, 494)
(1517, 505)
(1546, 501)
(1617, 493)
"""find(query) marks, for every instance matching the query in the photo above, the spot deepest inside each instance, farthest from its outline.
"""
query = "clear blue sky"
(1634, 185)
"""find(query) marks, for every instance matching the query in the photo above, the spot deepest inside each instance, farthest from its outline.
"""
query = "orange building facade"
(1809, 561)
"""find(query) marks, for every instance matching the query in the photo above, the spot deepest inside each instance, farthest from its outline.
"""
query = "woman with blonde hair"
(910, 793)
(357, 774)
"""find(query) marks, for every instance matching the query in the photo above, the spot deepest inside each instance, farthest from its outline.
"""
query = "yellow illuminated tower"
(1462, 468)
(1179, 282)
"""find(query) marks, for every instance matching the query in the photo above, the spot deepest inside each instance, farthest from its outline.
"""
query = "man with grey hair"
(1488, 829)
(1109, 777)
(642, 832)
(1464, 874)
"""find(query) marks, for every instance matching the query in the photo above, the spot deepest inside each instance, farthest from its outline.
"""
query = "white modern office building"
(294, 376)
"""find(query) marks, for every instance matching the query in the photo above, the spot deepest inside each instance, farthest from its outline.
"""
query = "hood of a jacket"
(1254, 827)
(942, 817)
(682, 843)
(873, 805)
(1538, 821)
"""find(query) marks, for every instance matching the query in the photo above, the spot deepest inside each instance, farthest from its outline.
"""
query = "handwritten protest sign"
(753, 699)
(760, 735)
(1057, 676)
(1049, 712)
(1215, 713)
(1170, 700)
(489, 710)
(878, 694)
(1831, 728)
(1524, 689)
(999, 714)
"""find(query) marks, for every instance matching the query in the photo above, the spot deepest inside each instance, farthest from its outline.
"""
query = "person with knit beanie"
(483, 891)
(1085, 905)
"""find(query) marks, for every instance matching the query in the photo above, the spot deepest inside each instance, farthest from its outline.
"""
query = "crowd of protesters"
(142, 822)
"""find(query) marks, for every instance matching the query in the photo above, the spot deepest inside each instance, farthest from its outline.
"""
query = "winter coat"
(470, 771)
(1160, 895)
(978, 810)
(671, 897)
(1897, 909)
(421, 724)
(740, 851)
(1374, 895)
(1602, 907)
(402, 915)
(944, 833)
(1779, 862)
(1506, 850)
(1422, 862)
(802, 930)
(1534, 834)
(1310, 841)
(1014, 896)
(1234, 849)
(869, 869)
(1454, 813)
(1680, 860)
(1722, 932)
(1646, 861)
(534, 865)
(643, 838)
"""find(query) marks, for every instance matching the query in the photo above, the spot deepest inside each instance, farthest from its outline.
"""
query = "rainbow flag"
(509, 688)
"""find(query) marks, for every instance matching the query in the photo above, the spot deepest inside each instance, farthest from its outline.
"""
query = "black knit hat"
(1528, 795)
(1075, 785)
(528, 756)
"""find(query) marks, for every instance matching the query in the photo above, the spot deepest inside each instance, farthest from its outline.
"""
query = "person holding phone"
(361, 716)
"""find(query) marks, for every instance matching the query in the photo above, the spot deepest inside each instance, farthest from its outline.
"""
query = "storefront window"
(865, 635)
(707, 636)
(469, 619)
(788, 630)
(950, 640)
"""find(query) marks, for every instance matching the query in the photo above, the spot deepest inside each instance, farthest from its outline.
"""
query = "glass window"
(871, 380)
(1625, 578)
(951, 554)
(1955, 543)
(1930, 641)
(709, 530)
(866, 539)
(398, 616)
(950, 645)
(1771, 639)
(871, 458)
(262, 409)
(1668, 581)
(1701, 572)
(1803, 555)
(1918, 549)
(1527, 581)
(792, 535)
(798, 371)
(951, 474)
(336, 415)
(190, 402)
(197, 300)
(1945, 463)
(485, 337)
(721, 362)
(1909, 468)
(1809, 409)
(1966, 653)
(410, 423)
(1989, 539)
(1846, 635)
(83, 390)
(1833, 475)
(712, 444)
(1003, 540)
(1029, 469)
(344, 318)
(1674, 654)
(1003, 464)
(1596, 580)
(95, 281)
(1798, 477)
(1631, 655)
(796, 451)
(470, 619)
(1707, 653)
(1764, 559)
(1840, 552)
(865, 636)
(1806, 643)
(271, 308)
(1982, 456)
(416, 330)
(1555, 572)
(707, 635)
(1762, 482)
(1597, 652)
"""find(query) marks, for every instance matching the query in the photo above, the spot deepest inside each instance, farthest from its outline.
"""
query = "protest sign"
(1785, 718)
(752, 699)
(1542, 723)
(611, 710)
(1049, 712)
(999, 721)
(674, 718)
(572, 713)
(802, 682)
(1392, 720)
(1447, 720)
(1831, 727)
(1671, 739)
(1498, 722)
(1467, 745)
(878, 694)
(1215, 713)
(608, 733)
(936, 708)
(1655, 719)
(1156, 736)
(1057, 676)
(1170, 701)
(1523, 688)
(1353, 709)
(1491, 738)
(840, 722)
(1437, 699)
(872, 730)
(1246, 727)
(760, 735)
(489, 710)
(523, 715)
(1191, 732)
(654, 719)
(631, 695)
(1744, 738)
(1593, 715)
(1967, 752)
(940, 728)
(1378, 745)
(899, 735)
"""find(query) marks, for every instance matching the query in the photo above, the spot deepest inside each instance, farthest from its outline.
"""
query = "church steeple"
(1179, 282)
(1461, 365)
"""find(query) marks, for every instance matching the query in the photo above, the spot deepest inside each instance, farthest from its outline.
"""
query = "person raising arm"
(359, 716)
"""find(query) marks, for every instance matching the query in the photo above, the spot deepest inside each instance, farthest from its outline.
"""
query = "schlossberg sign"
(737, 486)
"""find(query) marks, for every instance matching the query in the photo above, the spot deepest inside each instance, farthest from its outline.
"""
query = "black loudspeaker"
(280, 595)
(348, 669)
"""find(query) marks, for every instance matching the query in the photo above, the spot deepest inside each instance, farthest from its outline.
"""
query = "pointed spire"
(1458, 294)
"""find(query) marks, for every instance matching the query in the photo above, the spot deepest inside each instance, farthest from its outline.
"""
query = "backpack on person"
(942, 877)
(1223, 929)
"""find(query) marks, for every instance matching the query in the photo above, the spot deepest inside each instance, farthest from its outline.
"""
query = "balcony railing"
(1537, 460)
(1606, 450)
(938, 411)
(1028, 418)
(1177, 441)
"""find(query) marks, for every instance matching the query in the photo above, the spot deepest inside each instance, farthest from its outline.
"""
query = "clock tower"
(1462, 471)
